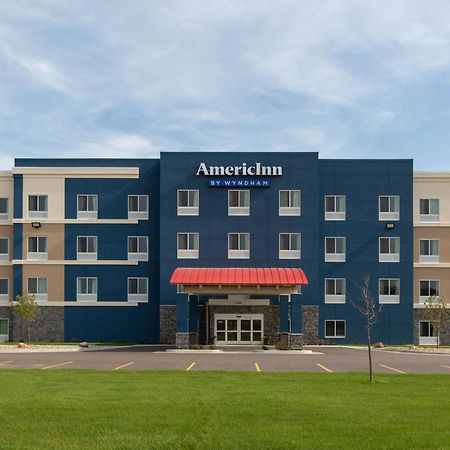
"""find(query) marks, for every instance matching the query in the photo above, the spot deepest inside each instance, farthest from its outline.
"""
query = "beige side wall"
(7, 231)
(432, 188)
(433, 273)
(6, 272)
(6, 190)
(441, 233)
(51, 186)
(54, 274)
(55, 235)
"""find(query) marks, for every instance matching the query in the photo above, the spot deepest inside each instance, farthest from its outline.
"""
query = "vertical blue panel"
(17, 241)
(193, 313)
(296, 313)
(18, 196)
(17, 280)
(182, 313)
(284, 313)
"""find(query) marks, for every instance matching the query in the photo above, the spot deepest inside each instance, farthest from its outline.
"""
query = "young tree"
(370, 310)
(26, 308)
(437, 313)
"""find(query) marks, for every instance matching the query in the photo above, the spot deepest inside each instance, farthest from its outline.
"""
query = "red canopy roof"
(238, 275)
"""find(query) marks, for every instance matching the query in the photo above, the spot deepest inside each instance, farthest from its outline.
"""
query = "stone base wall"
(310, 324)
(5, 313)
(167, 324)
(182, 340)
(419, 315)
(296, 341)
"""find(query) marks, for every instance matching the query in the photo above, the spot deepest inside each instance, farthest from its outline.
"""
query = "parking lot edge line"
(446, 367)
(324, 368)
(258, 369)
(57, 365)
(123, 365)
(191, 366)
(392, 368)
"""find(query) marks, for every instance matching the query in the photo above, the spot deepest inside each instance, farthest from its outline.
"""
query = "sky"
(116, 78)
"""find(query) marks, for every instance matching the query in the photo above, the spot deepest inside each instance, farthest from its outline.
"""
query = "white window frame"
(4, 217)
(428, 217)
(87, 296)
(139, 256)
(92, 256)
(335, 298)
(335, 215)
(424, 298)
(5, 297)
(139, 215)
(391, 214)
(5, 337)
(39, 297)
(389, 298)
(390, 256)
(239, 253)
(291, 253)
(39, 213)
(4, 257)
(137, 297)
(89, 213)
(335, 336)
(335, 257)
(290, 210)
(428, 340)
(239, 210)
(188, 210)
(188, 253)
(429, 258)
(39, 255)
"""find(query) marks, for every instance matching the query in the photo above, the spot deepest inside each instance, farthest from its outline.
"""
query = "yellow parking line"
(191, 366)
(124, 365)
(57, 365)
(5, 362)
(391, 368)
(324, 368)
(446, 367)
(258, 369)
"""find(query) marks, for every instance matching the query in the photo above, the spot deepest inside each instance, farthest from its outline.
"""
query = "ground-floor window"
(4, 330)
(335, 328)
(427, 333)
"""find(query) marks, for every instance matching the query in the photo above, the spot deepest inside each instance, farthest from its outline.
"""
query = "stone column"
(284, 319)
(296, 323)
(182, 335)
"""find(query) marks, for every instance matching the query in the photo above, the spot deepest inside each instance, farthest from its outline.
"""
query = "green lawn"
(64, 409)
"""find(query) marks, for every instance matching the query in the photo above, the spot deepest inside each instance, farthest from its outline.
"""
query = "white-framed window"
(239, 202)
(38, 206)
(289, 246)
(188, 202)
(335, 290)
(335, 249)
(428, 288)
(335, 207)
(87, 206)
(427, 333)
(4, 330)
(335, 328)
(138, 289)
(138, 207)
(37, 248)
(389, 290)
(238, 245)
(429, 250)
(4, 249)
(389, 207)
(87, 247)
(289, 203)
(4, 208)
(389, 249)
(429, 210)
(4, 289)
(86, 289)
(188, 245)
(138, 248)
(38, 287)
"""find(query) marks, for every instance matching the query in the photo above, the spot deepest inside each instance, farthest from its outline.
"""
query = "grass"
(63, 409)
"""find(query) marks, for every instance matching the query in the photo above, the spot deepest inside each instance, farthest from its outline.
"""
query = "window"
(87, 206)
(138, 289)
(335, 248)
(4, 249)
(187, 202)
(4, 209)
(239, 203)
(37, 206)
(4, 330)
(187, 245)
(87, 247)
(389, 290)
(429, 210)
(334, 290)
(429, 250)
(238, 245)
(389, 207)
(335, 207)
(87, 289)
(389, 249)
(427, 333)
(138, 248)
(138, 207)
(37, 248)
(289, 246)
(38, 288)
(4, 294)
(289, 203)
(428, 288)
(335, 328)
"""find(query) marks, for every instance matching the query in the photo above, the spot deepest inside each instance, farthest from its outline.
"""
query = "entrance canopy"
(238, 280)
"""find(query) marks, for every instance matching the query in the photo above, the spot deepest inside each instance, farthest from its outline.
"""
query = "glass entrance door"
(238, 329)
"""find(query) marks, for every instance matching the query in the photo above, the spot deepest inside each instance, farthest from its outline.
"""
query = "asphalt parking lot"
(323, 359)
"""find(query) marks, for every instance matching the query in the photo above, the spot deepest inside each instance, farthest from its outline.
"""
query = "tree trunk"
(370, 353)
(29, 334)
(438, 333)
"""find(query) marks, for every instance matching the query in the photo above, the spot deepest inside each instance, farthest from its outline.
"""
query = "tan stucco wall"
(432, 188)
(54, 275)
(433, 273)
(6, 272)
(54, 187)
(441, 233)
(6, 191)
(55, 235)
(7, 231)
